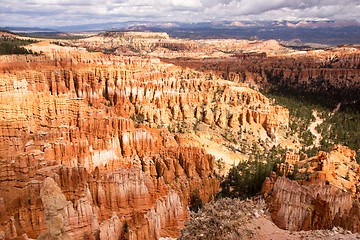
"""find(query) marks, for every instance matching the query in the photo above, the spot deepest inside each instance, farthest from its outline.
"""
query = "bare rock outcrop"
(235, 219)
(54, 202)
(111, 229)
(323, 196)
(99, 126)
(295, 207)
(333, 73)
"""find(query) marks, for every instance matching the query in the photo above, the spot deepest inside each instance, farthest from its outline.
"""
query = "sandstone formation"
(54, 202)
(322, 195)
(333, 73)
(325, 185)
(235, 219)
(154, 44)
(159, 44)
(98, 125)
(96, 146)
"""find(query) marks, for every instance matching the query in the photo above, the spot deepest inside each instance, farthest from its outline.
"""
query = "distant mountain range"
(27, 29)
(323, 32)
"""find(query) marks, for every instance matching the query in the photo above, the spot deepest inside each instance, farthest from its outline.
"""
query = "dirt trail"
(336, 109)
(312, 129)
(318, 121)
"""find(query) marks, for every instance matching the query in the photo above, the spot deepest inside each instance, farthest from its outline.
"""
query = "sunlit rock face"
(323, 199)
(90, 131)
(332, 73)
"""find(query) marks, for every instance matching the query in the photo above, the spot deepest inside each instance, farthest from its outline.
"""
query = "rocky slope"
(333, 73)
(324, 193)
(159, 44)
(236, 219)
(154, 44)
(98, 125)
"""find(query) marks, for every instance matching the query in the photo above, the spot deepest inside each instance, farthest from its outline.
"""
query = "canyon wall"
(333, 73)
(323, 199)
(97, 125)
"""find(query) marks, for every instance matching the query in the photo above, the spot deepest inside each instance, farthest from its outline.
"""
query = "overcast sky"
(47, 13)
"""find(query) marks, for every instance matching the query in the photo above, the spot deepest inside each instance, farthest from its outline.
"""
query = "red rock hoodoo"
(97, 125)
(321, 197)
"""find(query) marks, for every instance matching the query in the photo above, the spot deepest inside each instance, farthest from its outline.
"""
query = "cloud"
(37, 13)
(245, 8)
(185, 3)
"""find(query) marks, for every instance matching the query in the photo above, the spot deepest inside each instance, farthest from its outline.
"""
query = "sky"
(47, 13)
